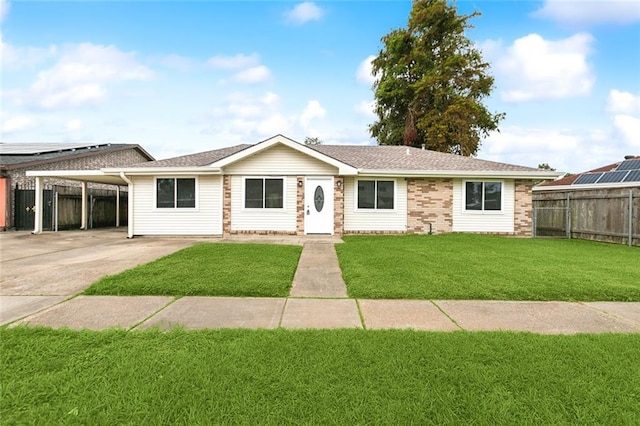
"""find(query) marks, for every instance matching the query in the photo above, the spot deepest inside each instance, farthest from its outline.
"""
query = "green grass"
(316, 377)
(209, 269)
(465, 266)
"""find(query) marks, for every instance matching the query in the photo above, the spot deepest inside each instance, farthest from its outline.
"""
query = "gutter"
(129, 205)
(463, 174)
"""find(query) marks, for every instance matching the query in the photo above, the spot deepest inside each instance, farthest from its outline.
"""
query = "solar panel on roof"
(587, 178)
(613, 177)
(629, 164)
(633, 176)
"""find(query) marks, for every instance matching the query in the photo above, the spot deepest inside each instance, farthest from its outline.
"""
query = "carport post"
(37, 225)
(83, 214)
(118, 206)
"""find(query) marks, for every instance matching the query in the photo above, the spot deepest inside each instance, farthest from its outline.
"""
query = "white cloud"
(238, 61)
(4, 9)
(311, 111)
(366, 109)
(535, 68)
(74, 124)
(364, 73)
(623, 102)
(303, 13)
(628, 128)
(253, 75)
(81, 75)
(16, 57)
(586, 13)
(16, 123)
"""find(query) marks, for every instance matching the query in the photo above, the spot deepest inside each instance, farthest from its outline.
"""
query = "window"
(264, 193)
(375, 194)
(483, 196)
(172, 192)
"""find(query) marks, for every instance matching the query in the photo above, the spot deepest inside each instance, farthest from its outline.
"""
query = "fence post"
(568, 216)
(630, 217)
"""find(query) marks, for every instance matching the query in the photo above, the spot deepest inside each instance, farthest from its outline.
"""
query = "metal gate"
(552, 222)
(25, 209)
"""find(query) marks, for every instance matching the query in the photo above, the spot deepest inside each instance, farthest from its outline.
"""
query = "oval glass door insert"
(318, 198)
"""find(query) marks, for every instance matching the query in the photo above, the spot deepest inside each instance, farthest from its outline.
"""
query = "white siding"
(375, 220)
(480, 221)
(205, 219)
(280, 160)
(263, 219)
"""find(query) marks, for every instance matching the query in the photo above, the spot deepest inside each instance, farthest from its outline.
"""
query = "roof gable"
(343, 168)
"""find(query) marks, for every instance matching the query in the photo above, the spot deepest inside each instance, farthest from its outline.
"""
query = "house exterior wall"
(523, 223)
(264, 221)
(429, 201)
(484, 222)
(277, 161)
(375, 221)
(205, 219)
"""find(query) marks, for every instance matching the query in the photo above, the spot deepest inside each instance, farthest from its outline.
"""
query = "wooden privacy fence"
(609, 215)
(62, 208)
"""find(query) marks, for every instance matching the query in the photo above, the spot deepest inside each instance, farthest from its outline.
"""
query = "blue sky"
(183, 77)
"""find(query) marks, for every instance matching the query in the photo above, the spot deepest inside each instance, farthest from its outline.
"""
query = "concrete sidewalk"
(39, 280)
(142, 312)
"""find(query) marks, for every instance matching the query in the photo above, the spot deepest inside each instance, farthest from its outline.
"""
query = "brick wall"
(338, 206)
(300, 205)
(523, 223)
(226, 204)
(429, 201)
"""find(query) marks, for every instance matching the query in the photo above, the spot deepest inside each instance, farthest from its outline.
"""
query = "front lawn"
(466, 266)
(209, 269)
(316, 377)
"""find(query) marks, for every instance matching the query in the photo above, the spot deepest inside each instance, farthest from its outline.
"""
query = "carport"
(84, 177)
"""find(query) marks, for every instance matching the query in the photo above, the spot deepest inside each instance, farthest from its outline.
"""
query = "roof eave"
(543, 175)
(151, 171)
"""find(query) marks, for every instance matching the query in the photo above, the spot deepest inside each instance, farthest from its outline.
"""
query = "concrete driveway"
(65, 263)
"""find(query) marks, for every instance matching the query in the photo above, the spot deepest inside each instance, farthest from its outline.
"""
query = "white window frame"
(264, 209)
(482, 211)
(375, 209)
(175, 193)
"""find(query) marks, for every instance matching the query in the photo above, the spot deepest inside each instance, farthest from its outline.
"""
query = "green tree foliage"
(312, 141)
(546, 166)
(431, 81)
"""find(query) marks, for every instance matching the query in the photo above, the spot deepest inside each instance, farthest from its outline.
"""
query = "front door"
(318, 206)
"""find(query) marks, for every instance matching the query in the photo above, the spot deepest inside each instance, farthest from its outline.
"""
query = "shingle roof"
(363, 157)
(17, 155)
(199, 159)
(410, 159)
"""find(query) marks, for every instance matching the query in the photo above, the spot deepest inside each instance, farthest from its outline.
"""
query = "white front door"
(318, 206)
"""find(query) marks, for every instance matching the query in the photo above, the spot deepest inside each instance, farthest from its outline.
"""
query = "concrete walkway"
(318, 273)
(40, 275)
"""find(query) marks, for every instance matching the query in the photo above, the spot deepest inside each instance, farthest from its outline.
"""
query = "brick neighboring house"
(17, 158)
(280, 186)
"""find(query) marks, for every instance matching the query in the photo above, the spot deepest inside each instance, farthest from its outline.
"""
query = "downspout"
(129, 205)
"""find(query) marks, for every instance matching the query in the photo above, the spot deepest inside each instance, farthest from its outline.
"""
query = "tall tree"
(430, 84)
(312, 141)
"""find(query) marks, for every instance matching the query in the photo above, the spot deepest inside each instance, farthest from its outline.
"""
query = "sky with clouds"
(183, 77)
